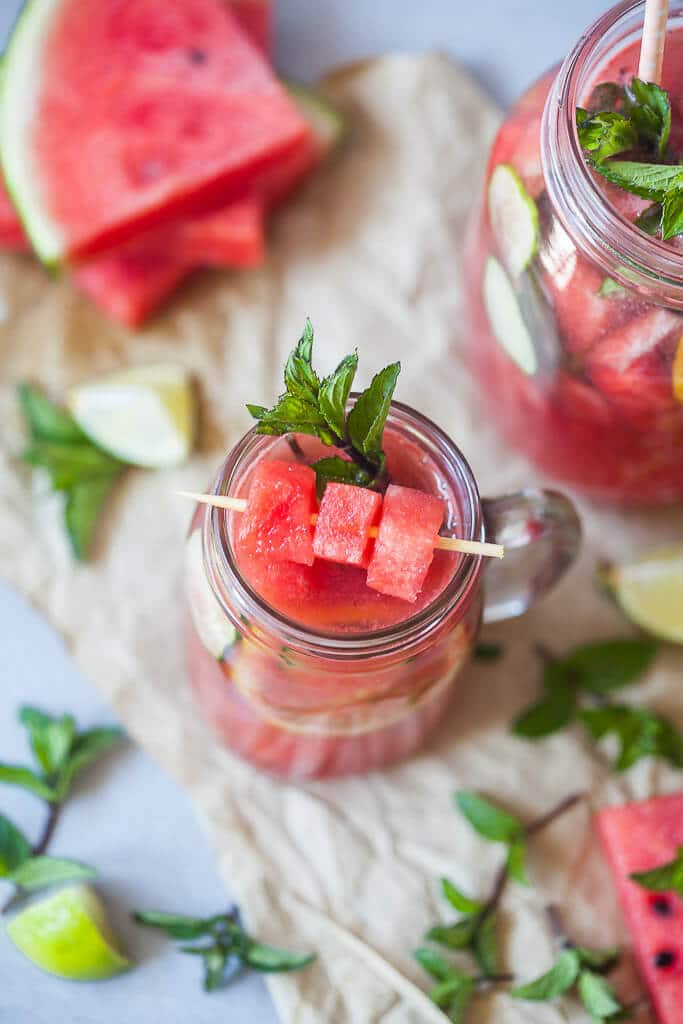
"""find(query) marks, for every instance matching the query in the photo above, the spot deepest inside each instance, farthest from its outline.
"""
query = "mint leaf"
(38, 872)
(559, 979)
(82, 508)
(14, 847)
(294, 415)
(433, 963)
(176, 926)
(458, 900)
(610, 665)
(46, 420)
(640, 733)
(672, 210)
(665, 878)
(71, 464)
(458, 935)
(270, 959)
(51, 738)
(597, 996)
(301, 380)
(485, 944)
(516, 862)
(334, 393)
(365, 422)
(650, 181)
(599, 960)
(605, 134)
(650, 220)
(488, 652)
(488, 820)
(339, 471)
(649, 109)
(87, 748)
(463, 991)
(17, 775)
(610, 289)
(548, 715)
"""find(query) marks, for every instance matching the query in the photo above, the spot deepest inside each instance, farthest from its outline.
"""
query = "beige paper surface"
(372, 252)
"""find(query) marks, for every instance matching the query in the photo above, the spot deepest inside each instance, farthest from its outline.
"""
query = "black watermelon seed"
(196, 56)
(662, 906)
(665, 958)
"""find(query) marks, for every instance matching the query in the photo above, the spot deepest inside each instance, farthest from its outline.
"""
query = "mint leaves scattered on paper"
(317, 408)
(226, 948)
(584, 970)
(637, 121)
(579, 688)
(75, 466)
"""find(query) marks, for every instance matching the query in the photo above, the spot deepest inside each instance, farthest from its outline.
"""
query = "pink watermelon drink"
(327, 630)
(575, 310)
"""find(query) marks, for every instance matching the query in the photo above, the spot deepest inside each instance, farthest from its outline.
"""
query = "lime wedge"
(678, 372)
(213, 627)
(505, 317)
(67, 934)
(650, 592)
(144, 416)
(514, 218)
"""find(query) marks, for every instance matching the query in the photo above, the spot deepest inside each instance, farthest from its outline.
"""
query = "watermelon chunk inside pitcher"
(175, 107)
(639, 837)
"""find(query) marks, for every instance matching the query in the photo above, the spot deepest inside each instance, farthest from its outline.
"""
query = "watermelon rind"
(19, 88)
(327, 123)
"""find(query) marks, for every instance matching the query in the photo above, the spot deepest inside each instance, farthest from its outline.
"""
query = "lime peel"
(650, 592)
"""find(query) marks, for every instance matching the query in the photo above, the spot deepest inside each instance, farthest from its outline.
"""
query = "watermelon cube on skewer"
(404, 548)
(639, 837)
(277, 520)
(345, 517)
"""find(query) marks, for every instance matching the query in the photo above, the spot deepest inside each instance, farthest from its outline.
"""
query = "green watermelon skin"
(160, 109)
(639, 837)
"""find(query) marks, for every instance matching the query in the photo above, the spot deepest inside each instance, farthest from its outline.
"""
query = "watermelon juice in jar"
(317, 668)
(575, 311)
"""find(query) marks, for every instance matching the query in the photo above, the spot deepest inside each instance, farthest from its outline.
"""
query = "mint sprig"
(227, 948)
(637, 121)
(664, 878)
(317, 408)
(76, 466)
(576, 967)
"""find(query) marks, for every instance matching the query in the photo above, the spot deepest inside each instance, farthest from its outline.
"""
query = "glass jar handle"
(541, 532)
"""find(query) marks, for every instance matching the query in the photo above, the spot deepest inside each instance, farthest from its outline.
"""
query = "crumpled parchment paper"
(371, 250)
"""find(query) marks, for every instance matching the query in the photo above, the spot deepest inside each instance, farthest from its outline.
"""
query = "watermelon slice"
(130, 283)
(174, 107)
(12, 235)
(344, 519)
(277, 520)
(404, 548)
(256, 19)
(639, 837)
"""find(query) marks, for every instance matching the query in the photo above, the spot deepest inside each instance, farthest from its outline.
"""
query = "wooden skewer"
(654, 38)
(467, 547)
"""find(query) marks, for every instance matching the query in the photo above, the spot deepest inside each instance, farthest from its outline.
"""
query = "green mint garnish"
(227, 946)
(665, 878)
(636, 120)
(317, 407)
(558, 980)
(76, 466)
(454, 988)
(584, 969)
(593, 672)
(28, 871)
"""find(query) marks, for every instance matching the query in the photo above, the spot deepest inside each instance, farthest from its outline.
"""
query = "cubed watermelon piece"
(344, 519)
(277, 520)
(404, 548)
(639, 837)
(176, 109)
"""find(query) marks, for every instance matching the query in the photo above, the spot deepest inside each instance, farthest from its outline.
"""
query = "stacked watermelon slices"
(141, 139)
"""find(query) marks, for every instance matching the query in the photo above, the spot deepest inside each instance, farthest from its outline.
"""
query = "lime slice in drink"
(505, 317)
(67, 934)
(678, 372)
(650, 592)
(144, 416)
(513, 217)
(213, 628)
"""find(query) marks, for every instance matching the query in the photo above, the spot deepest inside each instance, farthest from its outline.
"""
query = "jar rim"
(626, 253)
(245, 603)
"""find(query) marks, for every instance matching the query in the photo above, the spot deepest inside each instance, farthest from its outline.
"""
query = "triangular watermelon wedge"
(123, 119)
(639, 837)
